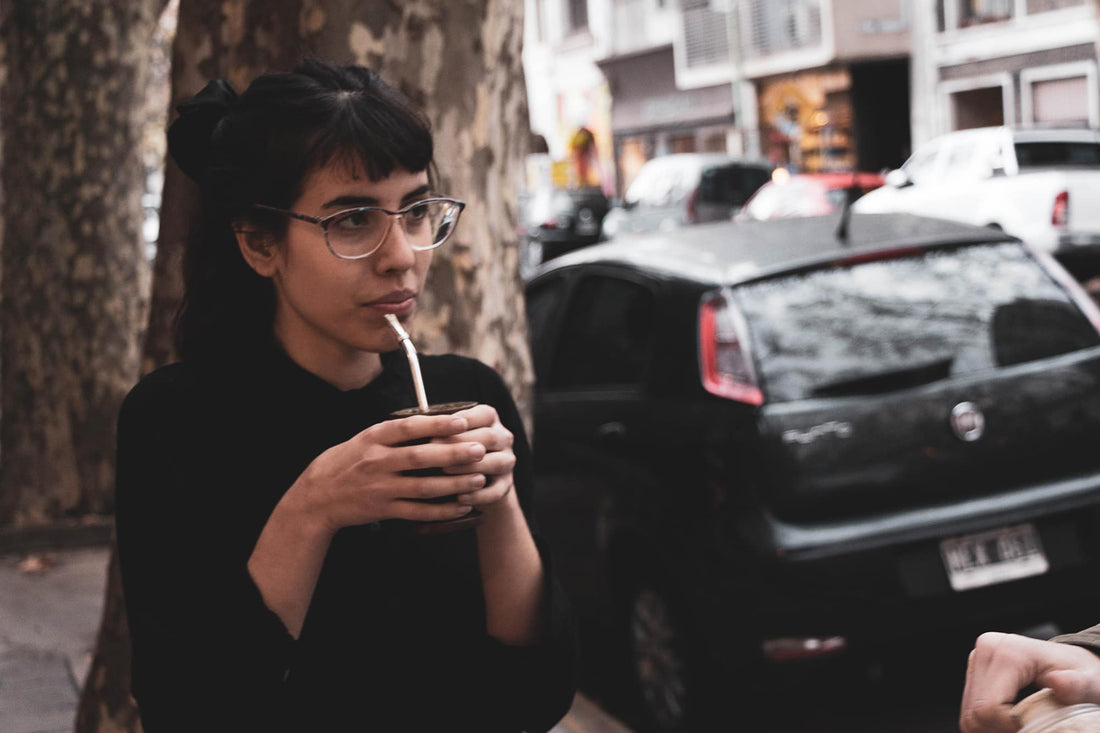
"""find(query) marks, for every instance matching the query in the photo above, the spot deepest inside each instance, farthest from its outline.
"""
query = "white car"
(1042, 185)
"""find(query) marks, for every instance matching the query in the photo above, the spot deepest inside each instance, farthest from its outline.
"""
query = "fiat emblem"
(967, 421)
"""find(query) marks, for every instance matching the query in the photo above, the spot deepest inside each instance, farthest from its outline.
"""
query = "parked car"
(763, 443)
(671, 191)
(559, 220)
(807, 194)
(1042, 185)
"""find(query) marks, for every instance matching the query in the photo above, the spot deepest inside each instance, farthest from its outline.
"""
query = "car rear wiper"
(890, 381)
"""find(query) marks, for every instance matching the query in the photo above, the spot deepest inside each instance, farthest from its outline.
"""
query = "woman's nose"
(396, 252)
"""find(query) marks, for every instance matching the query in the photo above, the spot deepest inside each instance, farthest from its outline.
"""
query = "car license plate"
(997, 556)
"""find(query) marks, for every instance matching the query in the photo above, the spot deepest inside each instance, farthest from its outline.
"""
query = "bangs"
(369, 138)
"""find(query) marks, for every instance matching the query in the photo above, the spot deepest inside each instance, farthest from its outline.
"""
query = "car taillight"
(1059, 216)
(692, 212)
(725, 362)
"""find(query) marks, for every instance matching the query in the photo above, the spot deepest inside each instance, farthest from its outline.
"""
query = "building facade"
(1015, 62)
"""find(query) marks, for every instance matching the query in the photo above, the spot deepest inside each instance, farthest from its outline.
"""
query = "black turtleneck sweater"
(395, 636)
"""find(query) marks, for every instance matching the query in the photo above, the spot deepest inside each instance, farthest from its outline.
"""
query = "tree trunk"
(463, 62)
(74, 279)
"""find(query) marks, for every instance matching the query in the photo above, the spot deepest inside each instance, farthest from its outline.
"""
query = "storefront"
(853, 117)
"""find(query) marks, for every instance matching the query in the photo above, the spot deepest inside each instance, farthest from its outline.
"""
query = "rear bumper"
(876, 597)
(799, 542)
(879, 581)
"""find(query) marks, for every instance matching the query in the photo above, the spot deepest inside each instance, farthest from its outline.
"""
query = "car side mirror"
(898, 178)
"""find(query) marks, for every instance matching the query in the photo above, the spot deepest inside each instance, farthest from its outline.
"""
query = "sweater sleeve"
(1088, 638)
(207, 652)
(537, 683)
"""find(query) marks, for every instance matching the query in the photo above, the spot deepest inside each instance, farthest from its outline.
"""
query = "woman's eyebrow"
(416, 193)
(351, 202)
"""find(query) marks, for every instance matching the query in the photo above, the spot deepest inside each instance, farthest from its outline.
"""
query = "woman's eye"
(417, 213)
(354, 220)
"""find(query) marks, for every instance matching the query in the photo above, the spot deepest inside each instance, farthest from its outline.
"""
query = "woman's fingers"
(433, 487)
(493, 438)
(434, 455)
(493, 464)
(415, 428)
(418, 511)
(491, 494)
(479, 416)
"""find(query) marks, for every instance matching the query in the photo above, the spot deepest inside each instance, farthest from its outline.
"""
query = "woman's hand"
(1003, 664)
(361, 480)
(485, 428)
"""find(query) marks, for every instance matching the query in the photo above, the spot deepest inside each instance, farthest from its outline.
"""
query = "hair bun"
(189, 137)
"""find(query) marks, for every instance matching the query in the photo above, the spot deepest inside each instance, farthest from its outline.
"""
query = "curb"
(94, 531)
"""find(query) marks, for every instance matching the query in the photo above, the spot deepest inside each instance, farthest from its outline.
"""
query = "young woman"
(265, 500)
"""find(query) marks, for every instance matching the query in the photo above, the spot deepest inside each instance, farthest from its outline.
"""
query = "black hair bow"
(190, 136)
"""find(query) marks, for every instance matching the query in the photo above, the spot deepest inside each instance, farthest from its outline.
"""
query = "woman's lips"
(398, 304)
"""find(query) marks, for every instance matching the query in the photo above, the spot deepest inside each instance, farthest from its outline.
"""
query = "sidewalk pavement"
(50, 604)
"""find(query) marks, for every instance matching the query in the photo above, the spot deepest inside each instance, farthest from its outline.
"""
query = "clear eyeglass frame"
(451, 210)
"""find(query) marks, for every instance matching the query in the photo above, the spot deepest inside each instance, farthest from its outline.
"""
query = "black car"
(762, 443)
(554, 221)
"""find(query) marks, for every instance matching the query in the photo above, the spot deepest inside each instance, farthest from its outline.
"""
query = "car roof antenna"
(850, 195)
(842, 228)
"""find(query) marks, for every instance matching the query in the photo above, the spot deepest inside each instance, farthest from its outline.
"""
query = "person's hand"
(485, 428)
(1003, 664)
(362, 481)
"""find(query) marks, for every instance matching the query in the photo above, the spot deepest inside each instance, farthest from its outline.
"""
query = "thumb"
(1071, 686)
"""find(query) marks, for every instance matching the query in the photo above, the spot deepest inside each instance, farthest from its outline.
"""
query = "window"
(944, 313)
(577, 15)
(706, 38)
(607, 337)
(1061, 100)
(975, 12)
(731, 184)
(543, 305)
(1057, 153)
(777, 26)
(922, 166)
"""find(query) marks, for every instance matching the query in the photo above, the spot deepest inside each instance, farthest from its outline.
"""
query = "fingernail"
(476, 451)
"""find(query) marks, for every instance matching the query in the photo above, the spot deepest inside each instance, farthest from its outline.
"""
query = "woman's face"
(329, 308)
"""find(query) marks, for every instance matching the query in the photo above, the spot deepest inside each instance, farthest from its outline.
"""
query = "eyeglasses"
(353, 234)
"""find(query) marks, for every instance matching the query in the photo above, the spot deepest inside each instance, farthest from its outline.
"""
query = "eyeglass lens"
(427, 225)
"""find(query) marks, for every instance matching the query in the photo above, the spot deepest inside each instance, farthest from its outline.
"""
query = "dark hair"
(259, 148)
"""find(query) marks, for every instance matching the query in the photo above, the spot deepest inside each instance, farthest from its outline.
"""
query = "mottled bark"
(462, 61)
(74, 279)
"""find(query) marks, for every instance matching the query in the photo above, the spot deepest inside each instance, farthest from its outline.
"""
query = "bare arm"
(512, 575)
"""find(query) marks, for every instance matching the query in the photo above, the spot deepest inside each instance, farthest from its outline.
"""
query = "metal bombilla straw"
(414, 362)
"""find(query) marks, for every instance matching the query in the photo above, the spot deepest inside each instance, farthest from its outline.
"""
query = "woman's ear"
(257, 249)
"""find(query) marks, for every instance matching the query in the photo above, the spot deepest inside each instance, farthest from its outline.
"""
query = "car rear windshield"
(1040, 154)
(891, 324)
